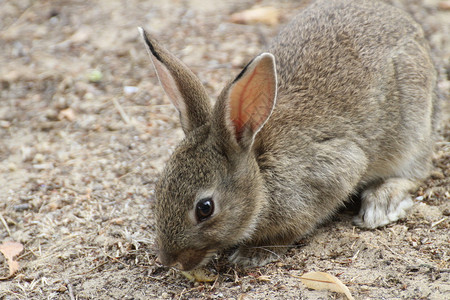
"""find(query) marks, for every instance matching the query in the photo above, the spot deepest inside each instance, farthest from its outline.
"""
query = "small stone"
(67, 114)
(12, 166)
(44, 166)
(51, 114)
(21, 207)
(89, 96)
(128, 90)
(62, 289)
(5, 124)
(39, 158)
(437, 175)
(27, 153)
(62, 156)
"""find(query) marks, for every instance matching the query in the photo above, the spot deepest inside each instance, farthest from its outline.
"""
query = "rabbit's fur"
(349, 110)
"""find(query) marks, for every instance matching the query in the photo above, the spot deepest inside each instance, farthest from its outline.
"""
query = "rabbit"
(341, 103)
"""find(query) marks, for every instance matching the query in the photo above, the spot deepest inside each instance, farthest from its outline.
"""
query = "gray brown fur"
(354, 114)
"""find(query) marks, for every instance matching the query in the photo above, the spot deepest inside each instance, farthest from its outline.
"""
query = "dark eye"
(204, 209)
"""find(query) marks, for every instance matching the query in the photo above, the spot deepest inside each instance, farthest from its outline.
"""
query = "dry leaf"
(266, 15)
(200, 275)
(263, 278)
(444, 5)
(10, 250)
(324, 281)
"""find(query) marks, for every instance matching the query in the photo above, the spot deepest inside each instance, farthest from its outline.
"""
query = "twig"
(7, 277)
(116, 259)
(133, 163)
(355, 255)
(18, 20)
(317, 280)
(156, 278)
(214, 283)
(395, 253)
(5, 224)
(181, 294)
(94, 268)
(105, 262)
(70, 288)
(122, 113)
(184, 291)
(438, 222)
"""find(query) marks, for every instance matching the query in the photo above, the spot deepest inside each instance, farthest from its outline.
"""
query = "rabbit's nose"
(164, 260)
(175, 264)
(169, 261)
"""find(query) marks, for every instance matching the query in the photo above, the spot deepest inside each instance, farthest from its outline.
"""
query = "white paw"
(375, 214)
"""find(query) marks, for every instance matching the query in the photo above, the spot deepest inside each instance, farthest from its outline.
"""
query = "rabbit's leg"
(385, 202)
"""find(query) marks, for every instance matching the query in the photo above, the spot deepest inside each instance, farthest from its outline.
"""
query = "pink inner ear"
(169, 85)
(252, 97)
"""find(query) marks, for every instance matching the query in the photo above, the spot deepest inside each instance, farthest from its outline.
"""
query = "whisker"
(267, 250)
(278, 246)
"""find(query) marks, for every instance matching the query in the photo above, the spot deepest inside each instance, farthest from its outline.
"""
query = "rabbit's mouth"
(188, 259)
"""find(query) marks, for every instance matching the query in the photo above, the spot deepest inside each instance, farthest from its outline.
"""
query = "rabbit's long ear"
(180, 84)
(247, 103)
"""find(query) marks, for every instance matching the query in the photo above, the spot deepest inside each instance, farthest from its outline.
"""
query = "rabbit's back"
(345, 38)
(357, 70)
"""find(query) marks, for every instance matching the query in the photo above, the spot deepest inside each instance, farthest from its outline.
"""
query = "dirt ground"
(85, 130)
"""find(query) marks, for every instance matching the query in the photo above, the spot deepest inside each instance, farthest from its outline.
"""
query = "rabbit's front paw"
(385, 203)
(249, 257)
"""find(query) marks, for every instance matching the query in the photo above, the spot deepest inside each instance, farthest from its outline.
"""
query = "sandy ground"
(85, 130)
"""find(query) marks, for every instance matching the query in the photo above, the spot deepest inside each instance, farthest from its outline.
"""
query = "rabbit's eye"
(204, 209)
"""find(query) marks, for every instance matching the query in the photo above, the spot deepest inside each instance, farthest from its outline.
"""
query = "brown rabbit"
(342, 103)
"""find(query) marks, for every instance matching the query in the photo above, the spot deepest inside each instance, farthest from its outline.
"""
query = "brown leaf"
(444, 5)
(10, 250)
(324, 281)
(263, 278)
(200, 275)
(267, 15)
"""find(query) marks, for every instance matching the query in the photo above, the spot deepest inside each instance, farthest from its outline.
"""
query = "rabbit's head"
(210, 194)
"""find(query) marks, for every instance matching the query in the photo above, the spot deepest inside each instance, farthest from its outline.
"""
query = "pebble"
(44, 166)
(22, 207)
(39, 158)
(5, 124)
(128, 90)
(12, 166)
(51, 114)
(27, 153)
